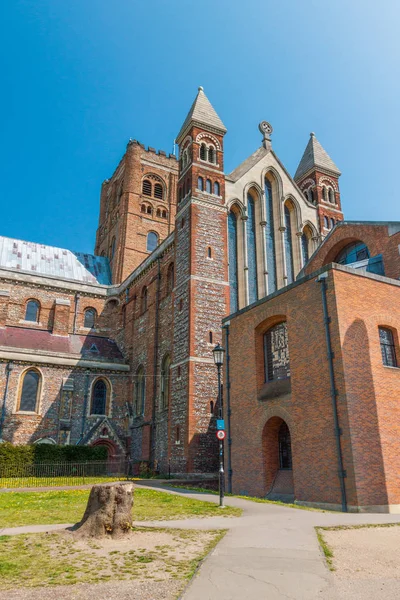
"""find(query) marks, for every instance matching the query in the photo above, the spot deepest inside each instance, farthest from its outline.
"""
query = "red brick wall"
(367, 393)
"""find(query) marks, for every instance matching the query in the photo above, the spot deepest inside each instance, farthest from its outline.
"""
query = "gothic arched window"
(152, 241)
(270, 237)
(288, 242)
(251, 250)
(233, 260)
(165, 381)
(276, 353)
(306, 237)
(32, 311)
(30, 391)
(140, 392)
(90, 318)
(98, 404)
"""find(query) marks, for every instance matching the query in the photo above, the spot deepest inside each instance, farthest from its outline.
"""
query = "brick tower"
(139, 199)
(201, 290)
(318, 178)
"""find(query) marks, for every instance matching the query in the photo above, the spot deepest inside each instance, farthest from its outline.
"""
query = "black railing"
(63, 473)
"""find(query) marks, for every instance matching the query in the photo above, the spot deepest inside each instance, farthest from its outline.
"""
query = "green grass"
(27, 482)
(68, 506)
(42, 560)
(327, 550)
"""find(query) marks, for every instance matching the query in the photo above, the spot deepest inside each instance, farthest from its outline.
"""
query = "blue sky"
(80, 77)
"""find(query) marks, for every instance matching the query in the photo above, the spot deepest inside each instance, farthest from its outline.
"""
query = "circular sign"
(221, 434)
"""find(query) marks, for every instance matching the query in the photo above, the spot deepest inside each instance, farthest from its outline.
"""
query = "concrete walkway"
(270, 553)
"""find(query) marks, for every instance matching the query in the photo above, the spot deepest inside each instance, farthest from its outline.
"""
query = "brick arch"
(270, 444)
(111, 446)
(339, 246)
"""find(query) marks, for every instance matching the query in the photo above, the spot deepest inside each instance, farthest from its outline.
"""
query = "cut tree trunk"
(108, 511)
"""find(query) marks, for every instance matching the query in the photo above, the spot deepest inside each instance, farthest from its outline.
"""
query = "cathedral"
(115, 348)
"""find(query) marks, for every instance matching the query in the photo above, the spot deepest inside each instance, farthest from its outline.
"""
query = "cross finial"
(266, 130)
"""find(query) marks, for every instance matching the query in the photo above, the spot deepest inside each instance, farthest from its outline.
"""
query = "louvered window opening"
(29, 393)
(387, 347)
(158, 191)
(203, 152)
(146, 187)
(99, 398)
(276, 353)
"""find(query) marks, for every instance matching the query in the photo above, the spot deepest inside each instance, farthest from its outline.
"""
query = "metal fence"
(48, 474)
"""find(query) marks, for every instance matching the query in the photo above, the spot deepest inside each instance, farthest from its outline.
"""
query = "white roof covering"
(39, 259)
(203, 113)
(315, 156)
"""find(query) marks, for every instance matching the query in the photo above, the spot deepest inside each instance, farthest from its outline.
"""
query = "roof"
(57, 262)
(315, 156)
(89, 347)
(203, 113)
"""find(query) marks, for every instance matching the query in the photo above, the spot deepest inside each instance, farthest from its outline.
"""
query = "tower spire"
(202, 114)
(315, 157)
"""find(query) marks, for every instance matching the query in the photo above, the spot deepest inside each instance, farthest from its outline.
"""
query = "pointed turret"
(315, 157)
(318, 178)
(202, 114)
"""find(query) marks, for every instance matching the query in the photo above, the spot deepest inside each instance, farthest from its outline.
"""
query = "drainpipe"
(9, 368)
(77, 296)
(338, 431)
(85, 405)
(155, 360)
(228, 405)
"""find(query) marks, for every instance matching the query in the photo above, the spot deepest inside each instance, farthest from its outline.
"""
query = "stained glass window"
(99, 398)
(387, 347)
(233, 261)
(30, 391)
(276, 353)
(251, 250)
(288, 245)
(270, 238)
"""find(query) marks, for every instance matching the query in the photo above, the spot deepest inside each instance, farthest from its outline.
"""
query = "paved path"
(270, 553)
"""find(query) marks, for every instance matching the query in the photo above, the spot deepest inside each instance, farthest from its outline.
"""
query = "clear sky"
(81, 77)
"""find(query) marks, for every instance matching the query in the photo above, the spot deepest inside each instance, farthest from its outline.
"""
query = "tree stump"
(108, 511)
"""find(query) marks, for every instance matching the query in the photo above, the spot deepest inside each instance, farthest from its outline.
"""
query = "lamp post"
(218, 354)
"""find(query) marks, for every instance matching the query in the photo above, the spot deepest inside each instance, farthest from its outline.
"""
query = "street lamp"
(218, 354)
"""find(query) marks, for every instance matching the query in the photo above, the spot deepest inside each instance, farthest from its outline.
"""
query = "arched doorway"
(277, 450)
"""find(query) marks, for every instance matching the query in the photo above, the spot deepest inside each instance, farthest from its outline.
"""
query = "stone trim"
(32, 357)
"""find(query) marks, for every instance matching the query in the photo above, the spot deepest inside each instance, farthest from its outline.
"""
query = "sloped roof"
(89, 347)
(315, 156)
(40, 259)
(203, 113)
(247, 164)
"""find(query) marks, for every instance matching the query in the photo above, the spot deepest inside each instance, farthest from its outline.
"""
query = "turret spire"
(202, 114)
(315, 157)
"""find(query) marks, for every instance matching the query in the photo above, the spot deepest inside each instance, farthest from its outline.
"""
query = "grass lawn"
(68, 506)
(40, 560)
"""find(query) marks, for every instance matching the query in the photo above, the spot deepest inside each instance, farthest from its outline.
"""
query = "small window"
(178, 374)
(178, 435)
(276, 353)
(144, 298)
(113, 245)
(152, 241)
(146, 187)
(143, 208)
(90, 318)
(170, 278)
(311, 195)
(158, 213)
(387, 347)
(180, 305)
(326, 222)
(165, 381)
(332, 223)
(324, 194)
(98, 404)
(211, 407)
(140, 392)
(211, 155)
(203, 152)
(30, 391)
(182, 223)
(188, 185)
(210, 337)
(331, 196)
(158, 191)
(180, 194)
(32, 311)
(149, 210)
(164, 214)
(208, 186)
(200, 184)
(209, 252)
(216, 188)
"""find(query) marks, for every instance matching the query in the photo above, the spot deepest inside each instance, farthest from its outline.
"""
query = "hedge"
(39, 453)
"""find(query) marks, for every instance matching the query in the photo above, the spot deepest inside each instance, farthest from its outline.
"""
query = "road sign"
(221, 434)
(220, 424)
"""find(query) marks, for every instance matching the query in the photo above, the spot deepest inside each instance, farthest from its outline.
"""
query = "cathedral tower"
(201, 288)
(318, 178)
